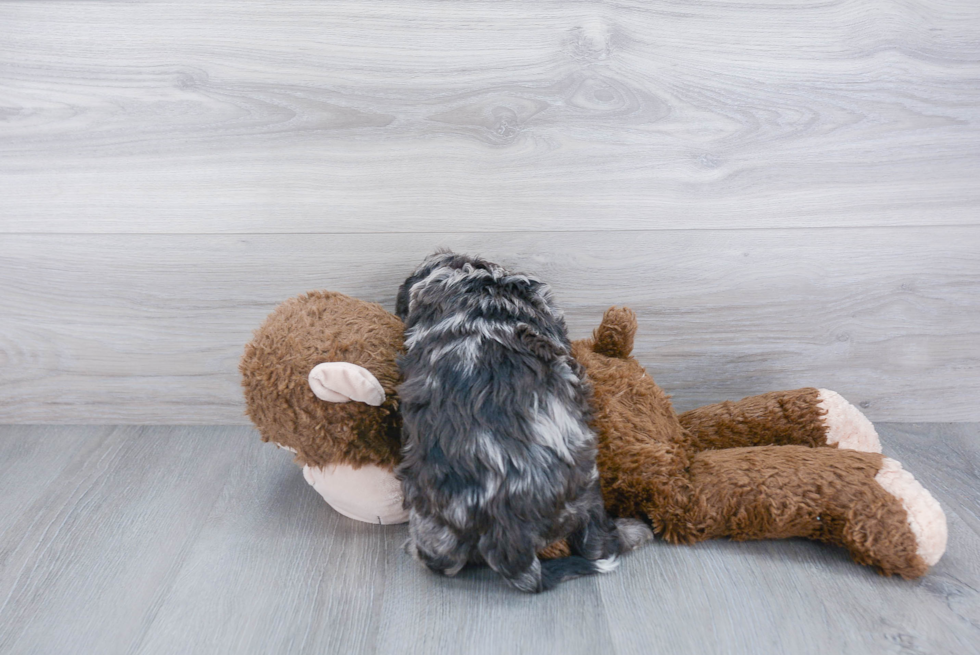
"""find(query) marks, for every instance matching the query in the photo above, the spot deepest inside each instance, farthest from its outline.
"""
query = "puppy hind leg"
(601, 538)
(633, 533)
(527, 579)
(436, 546)
(512, 556)
(538, 576)
(595, 547)
(440, 564)
(516, 561)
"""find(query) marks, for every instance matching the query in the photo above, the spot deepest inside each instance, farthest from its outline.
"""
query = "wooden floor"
(204, 540)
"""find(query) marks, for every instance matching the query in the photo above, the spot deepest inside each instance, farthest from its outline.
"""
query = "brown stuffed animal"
(320, 379)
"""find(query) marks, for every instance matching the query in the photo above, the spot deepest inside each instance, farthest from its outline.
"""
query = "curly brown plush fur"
(709, 484)
(771, 419)
(755, 469)
(302, 332)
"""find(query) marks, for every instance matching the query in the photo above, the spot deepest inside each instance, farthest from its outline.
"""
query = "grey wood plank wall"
(786, 192)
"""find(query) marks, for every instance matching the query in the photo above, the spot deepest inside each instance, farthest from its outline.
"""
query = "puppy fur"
(498, 460)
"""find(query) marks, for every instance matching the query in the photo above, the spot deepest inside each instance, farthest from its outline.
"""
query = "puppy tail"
(556, 571)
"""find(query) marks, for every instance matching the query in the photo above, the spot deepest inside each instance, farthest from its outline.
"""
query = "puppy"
(498, 458)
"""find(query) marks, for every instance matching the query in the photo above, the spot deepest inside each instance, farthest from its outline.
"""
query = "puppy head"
(446, 274)
(320, 376)
(437, 260)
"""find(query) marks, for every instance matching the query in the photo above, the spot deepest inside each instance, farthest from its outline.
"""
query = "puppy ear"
(340, 382)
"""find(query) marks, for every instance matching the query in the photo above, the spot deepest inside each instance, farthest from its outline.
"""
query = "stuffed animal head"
(320, 377)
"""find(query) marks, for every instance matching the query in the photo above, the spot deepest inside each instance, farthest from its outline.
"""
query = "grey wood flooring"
(204, 540)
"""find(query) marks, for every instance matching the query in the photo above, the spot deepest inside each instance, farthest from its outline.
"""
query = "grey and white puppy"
(498, 457)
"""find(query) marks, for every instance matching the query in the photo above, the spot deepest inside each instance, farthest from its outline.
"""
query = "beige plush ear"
(340, 382)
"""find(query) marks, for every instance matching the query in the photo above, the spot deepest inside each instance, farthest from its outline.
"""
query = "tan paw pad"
(847, 427)
(925, 516)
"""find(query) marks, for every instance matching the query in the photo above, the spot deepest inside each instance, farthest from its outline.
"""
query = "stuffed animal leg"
(862, 501)
(863, 512)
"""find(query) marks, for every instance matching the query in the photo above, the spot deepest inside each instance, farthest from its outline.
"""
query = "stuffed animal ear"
(614, 336)
(340, 382)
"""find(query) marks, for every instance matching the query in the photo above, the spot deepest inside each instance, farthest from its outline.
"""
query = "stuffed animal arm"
(808, 417)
